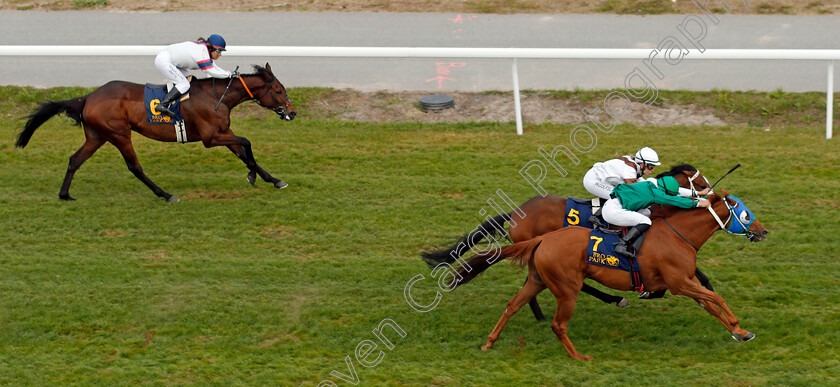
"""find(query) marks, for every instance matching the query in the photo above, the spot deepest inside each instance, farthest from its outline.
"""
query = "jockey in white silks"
(174, 61)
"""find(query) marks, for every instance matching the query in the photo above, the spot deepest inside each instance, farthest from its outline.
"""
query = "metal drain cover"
(437, 102)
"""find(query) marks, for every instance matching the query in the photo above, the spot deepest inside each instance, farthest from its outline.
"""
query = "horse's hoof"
(623, 303)
(66, 197)
(280, 184)
(749, 336)
(486, 347)
(173, 199)
(252, 177)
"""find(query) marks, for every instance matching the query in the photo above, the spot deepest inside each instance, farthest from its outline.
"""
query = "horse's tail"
(488, 229)
(71, 107)
(520, 254)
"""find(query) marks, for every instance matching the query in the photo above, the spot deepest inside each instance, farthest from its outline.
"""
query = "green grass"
(242, 285)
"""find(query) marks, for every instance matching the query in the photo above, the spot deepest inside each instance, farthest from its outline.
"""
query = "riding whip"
(235, 72)
(727, 173)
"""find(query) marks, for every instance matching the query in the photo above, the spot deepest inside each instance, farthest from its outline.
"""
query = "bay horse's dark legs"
(241, 147)
(88, 148)
(127, 151)
(253, 168)
(620, 302)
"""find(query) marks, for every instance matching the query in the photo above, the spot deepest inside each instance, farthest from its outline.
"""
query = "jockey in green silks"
(627, 199)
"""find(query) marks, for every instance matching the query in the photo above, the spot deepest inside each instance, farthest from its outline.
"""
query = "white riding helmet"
(647, 155)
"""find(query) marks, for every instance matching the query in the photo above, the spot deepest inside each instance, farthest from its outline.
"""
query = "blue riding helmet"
(743, 217)
(217, 42)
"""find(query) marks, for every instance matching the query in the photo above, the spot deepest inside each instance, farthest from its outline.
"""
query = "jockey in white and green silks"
(628, 199)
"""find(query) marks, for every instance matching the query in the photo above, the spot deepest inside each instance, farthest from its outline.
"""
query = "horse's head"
(687, 176)
(741, 221)
(274, 97)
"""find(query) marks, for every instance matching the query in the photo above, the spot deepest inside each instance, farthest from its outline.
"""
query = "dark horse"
(111, 112)
(543, 214)
(667, 260)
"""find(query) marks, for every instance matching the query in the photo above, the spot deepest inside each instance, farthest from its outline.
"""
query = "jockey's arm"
(217, 72)
(690, 193)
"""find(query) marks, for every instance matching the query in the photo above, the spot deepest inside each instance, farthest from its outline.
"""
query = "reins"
(680, 235)
(226, 89)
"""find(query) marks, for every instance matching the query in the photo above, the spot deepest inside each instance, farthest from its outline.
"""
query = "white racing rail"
(457, 52)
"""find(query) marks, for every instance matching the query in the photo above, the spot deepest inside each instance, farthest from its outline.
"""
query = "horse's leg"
(92, 143)
(127, 151)
(530, 290)
(566, 298)
(241, 147)
(535, 306)
(703, 279)
(715, 305)
(253, 168)
(620, 302)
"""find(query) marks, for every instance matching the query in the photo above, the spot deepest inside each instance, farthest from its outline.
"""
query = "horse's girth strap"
(246, 87)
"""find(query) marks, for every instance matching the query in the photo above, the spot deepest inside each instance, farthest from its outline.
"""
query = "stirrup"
(165, 111)
(645, 295)
(623, 249)
(597, 221)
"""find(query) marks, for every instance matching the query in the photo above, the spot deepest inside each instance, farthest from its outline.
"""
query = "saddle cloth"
(601, 251)
(152, 96)
(579, 210)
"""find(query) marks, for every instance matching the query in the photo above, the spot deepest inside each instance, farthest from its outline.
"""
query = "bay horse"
(543, 214)
(111, 112)
(667, 260)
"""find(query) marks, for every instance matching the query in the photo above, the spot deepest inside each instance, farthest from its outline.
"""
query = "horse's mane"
(259, 70)
(676, 170)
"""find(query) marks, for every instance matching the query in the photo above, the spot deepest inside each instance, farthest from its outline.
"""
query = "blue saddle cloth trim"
(577, 214)
(605, 254)
(156, 95)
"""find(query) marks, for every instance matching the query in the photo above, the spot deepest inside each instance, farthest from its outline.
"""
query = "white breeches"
(595, 186)
(163, 62)
(613, 213)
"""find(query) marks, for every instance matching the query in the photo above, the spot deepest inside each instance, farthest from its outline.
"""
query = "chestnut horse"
(543, 214)
(667, 260)
(111, 112)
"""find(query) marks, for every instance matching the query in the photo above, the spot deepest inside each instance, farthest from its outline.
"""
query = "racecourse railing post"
(829, 101)
(517, 108)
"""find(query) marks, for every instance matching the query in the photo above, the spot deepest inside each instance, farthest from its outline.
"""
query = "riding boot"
(170, 97)
(597, 220)
(623, 246)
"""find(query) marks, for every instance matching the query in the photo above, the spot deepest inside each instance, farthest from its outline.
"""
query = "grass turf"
(242, 285)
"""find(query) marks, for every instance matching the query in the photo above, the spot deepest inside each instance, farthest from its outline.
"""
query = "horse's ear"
(723, 192)
(268, 67)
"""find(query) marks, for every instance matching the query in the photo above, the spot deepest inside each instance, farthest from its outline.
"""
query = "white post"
(829, 101)
(517, 108)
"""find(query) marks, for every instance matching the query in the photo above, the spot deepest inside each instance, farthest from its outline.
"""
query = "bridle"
(281, 105)
(747, 233)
